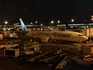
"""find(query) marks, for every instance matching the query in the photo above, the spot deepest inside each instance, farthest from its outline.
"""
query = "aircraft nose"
(85, 38)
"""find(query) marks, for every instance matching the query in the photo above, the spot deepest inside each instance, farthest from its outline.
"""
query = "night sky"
(45, 10)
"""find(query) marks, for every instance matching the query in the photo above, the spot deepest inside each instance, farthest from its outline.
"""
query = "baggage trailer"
(48, 59)
(41, 55)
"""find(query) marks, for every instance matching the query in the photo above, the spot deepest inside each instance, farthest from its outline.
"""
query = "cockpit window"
(80, 35)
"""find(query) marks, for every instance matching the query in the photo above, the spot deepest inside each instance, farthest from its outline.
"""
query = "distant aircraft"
(55, 36)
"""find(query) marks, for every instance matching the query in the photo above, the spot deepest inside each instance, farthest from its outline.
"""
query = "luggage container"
(11, 52)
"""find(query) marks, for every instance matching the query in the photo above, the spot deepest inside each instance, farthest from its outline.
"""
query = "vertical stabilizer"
(22, 24)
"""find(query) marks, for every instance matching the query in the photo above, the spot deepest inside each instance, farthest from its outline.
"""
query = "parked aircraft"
(55, 36)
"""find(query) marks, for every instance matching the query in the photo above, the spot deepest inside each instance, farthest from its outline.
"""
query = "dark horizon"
(45, 11)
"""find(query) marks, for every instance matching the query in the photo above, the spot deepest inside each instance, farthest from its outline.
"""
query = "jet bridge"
(49, 58)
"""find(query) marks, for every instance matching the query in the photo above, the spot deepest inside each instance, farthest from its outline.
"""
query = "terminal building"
(66, 25)
(83, 28)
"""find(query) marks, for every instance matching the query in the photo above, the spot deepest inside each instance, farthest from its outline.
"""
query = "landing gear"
(49, 41)
(52, 41)
(36, 40)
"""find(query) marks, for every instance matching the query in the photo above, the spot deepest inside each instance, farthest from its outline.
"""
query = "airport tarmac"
(6, 64)
(20, 64)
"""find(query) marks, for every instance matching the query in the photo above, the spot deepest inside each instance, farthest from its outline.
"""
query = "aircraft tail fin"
(22, 24)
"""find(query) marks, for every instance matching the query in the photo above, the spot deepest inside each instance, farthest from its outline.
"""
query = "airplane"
(54, 35)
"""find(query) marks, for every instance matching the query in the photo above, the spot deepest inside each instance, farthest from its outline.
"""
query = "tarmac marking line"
(13, 63)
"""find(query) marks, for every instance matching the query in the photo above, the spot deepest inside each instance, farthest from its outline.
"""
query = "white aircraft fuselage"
(47, 36)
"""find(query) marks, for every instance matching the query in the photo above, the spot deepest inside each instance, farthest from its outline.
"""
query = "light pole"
(36, 24)
(58, 23)
(72, 20)
(31, 23)
(6, 22)
(41, 24)
(91, 18)
(52, 22)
